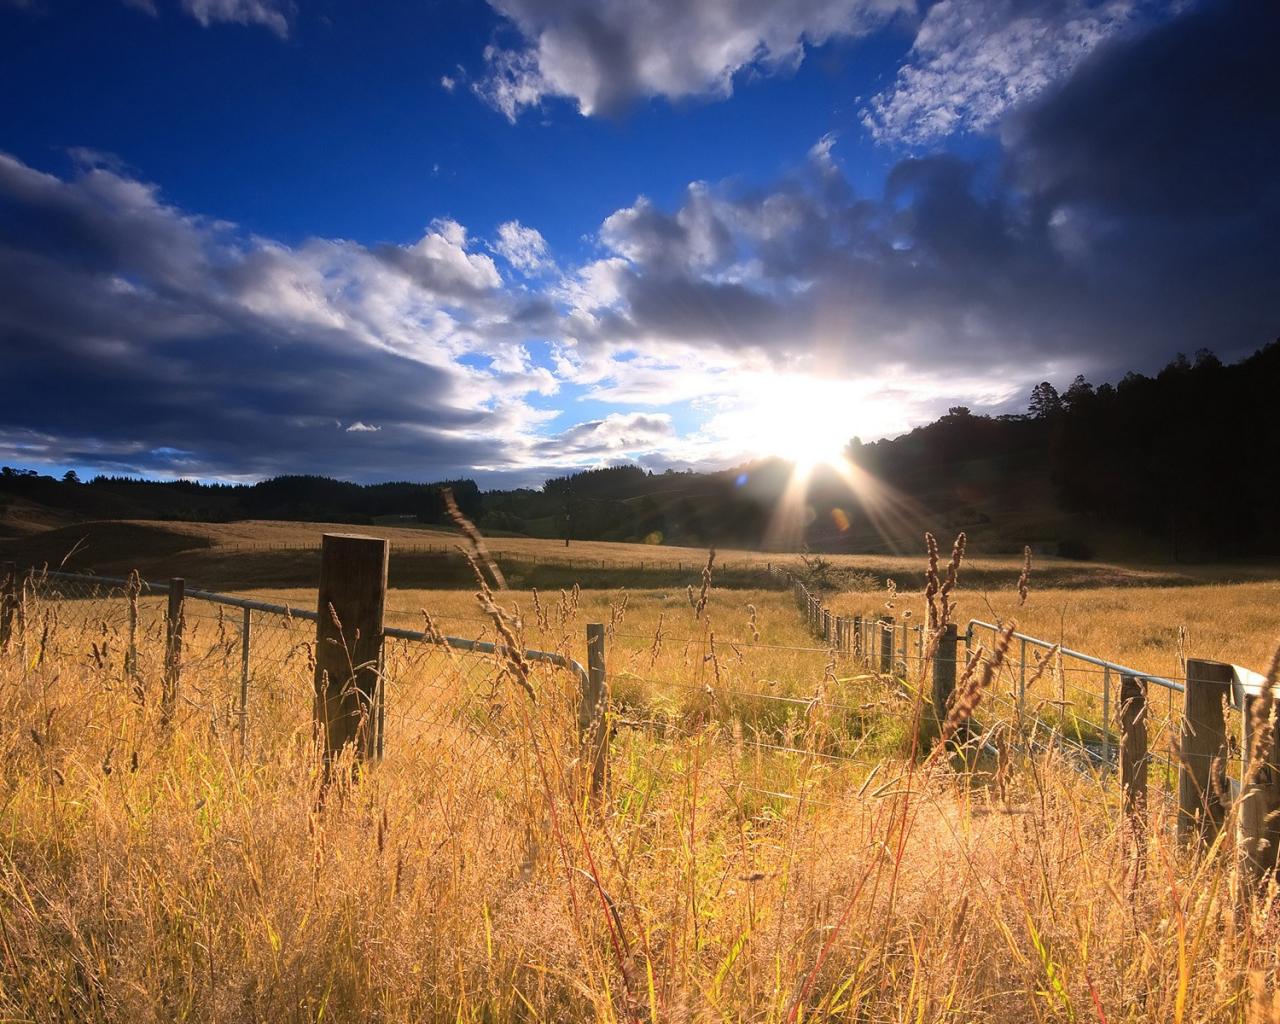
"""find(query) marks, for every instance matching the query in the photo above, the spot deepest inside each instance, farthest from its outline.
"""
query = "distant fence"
(693, 565)
(1194, 748)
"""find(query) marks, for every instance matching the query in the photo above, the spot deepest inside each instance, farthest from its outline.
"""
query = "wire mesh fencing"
(247, 668)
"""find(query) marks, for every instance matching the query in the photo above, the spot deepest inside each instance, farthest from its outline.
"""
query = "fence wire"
(791, 717)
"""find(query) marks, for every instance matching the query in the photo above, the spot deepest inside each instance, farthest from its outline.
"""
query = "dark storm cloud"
(1183, 123)
(1159, 161)
(1135, 213)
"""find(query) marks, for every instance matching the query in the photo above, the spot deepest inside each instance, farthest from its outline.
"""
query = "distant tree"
(70, 477)
(1078, 394)
(1206, 360)
(1045, 401)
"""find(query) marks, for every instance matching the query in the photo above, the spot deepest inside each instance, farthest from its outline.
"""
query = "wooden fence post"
(1133, 753)
(944, 674)
(173, 648)
(352, 600)
(1202, 775)
(8, 601)
(857, 635)
(593, 733)
(1259, 827)
(886, 643)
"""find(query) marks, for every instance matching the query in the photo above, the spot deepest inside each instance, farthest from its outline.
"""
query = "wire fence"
(246, 669)
(1044, 696)
(791, 717)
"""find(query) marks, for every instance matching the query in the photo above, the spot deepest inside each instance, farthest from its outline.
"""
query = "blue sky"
(414, 239)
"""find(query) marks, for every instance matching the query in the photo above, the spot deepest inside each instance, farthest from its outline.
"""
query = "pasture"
(772, 845)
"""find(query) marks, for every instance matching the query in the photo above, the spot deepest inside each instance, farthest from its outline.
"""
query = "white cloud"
(605, 53)
(440, 261)
(524, 248)
(974, 61)
(448, 84)
(275, 15)
(617, 434)
(362, 428)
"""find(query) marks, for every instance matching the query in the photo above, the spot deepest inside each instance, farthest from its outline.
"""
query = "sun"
(804, 420)
(806, 447)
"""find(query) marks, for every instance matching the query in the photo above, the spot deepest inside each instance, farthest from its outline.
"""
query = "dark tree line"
(1190, 454)
(1187, 457)
(305, 498)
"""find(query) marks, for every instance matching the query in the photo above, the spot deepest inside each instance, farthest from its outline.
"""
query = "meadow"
(772, 847)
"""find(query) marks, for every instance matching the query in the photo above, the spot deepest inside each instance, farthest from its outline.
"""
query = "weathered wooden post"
(1133, 753)
(1202, 776)
(944, 674)
(886, 643)
(8, 601)
(857, 635)
(1259, 822)
(352, 600)
(174, 623)
(593, 732)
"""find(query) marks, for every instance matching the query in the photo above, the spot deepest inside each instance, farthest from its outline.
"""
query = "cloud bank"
(1134, 212)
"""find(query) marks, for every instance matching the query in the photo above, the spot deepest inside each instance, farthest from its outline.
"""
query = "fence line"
(1204, 746)
(1203, 743)
(567, 562)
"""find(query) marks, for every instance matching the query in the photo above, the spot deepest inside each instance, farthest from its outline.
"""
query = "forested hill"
(1181, 465)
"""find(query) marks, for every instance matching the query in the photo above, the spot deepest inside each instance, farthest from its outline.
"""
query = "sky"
(422, 239)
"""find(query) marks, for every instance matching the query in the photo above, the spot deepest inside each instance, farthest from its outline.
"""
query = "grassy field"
(248, 554)
(153, 871)
(768, 850)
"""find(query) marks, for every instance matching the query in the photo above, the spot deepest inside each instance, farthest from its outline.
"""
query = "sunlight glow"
(804, 419)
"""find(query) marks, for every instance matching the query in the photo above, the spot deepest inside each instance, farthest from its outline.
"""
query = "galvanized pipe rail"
(1067, 652)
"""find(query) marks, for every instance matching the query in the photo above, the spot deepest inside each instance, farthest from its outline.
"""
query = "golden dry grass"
(222, 548)
(150, 873)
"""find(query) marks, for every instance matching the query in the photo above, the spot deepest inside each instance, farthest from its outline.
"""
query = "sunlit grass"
(152, 874)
